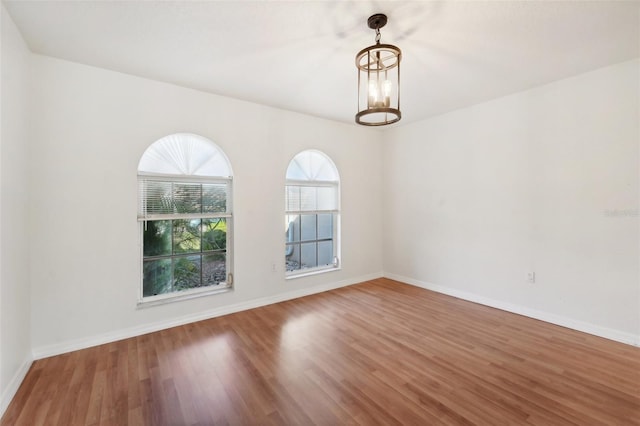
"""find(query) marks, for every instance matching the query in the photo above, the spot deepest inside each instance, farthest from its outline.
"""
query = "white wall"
(544, 180)
(15, 344)
(91, 126)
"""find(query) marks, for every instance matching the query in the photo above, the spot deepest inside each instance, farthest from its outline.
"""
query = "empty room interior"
(323, 212)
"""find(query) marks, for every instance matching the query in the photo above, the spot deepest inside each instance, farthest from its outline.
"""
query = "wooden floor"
(380, 352)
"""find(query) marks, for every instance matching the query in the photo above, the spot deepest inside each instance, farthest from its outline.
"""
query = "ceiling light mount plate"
(377, 21)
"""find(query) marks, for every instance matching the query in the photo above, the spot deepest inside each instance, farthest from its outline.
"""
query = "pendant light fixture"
(378, 80)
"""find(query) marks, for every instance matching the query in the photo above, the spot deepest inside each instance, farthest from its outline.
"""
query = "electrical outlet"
(531, 277)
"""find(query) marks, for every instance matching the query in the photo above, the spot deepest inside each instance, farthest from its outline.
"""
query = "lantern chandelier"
(378, 80)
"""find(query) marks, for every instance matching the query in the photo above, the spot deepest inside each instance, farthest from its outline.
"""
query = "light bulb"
(373, 93)
(386, 90)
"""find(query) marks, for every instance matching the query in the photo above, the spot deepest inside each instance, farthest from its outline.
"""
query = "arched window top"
(184, 154)
(312, 165)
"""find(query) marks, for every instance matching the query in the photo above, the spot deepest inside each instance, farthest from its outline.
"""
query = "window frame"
(336, 265)
(144, 217)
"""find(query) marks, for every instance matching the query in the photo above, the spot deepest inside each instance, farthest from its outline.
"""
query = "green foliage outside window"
(182, 254)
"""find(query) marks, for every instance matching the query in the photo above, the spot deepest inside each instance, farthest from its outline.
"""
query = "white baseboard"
(607, 333)
(73, 345)
(14, 384)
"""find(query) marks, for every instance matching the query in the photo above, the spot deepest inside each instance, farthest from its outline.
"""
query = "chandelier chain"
(377, 35)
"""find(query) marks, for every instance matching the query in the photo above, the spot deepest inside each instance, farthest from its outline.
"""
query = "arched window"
(312, 219)
(184, 209)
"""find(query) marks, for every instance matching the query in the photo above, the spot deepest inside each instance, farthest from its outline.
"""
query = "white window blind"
(163, 198)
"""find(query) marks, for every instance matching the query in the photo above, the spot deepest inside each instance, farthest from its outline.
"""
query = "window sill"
(166, 299)
(310, 272)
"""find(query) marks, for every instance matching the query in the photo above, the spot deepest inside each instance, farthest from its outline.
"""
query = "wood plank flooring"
(379, 352)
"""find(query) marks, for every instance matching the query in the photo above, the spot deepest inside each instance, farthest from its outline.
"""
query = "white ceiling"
(300, 55)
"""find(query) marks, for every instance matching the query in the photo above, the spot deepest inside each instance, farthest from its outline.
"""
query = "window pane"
(186, 272)
(325, 226)
(308, 198)
(214, 269)
(327, 198)
(214, 198)
(308, 227)
(186, 235)
(308, 255)
(293, 198)
(292, 256)
(325, 253)
(187, 197)
(156, 277)
(214, 234)
(293, 228)
(157, 238)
